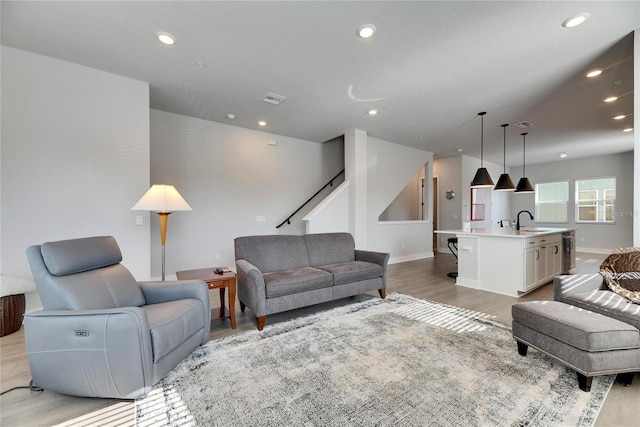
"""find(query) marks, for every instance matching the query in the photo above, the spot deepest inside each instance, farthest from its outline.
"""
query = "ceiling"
(428, 70)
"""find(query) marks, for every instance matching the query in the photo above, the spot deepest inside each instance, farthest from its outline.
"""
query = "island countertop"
(523, 233)
(511, 262)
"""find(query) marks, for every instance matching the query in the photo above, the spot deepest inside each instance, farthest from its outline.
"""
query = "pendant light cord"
(504, 148)
(482, 138)
(524, 137)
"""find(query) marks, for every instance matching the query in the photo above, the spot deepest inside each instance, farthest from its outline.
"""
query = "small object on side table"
(225, 279)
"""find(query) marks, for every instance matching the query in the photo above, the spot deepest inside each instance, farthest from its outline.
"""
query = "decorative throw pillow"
(621, 273)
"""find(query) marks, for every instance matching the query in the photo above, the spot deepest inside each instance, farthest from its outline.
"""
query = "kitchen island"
(510, 262)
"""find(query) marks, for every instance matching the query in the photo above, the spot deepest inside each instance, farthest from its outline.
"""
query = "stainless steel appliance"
(568, 251)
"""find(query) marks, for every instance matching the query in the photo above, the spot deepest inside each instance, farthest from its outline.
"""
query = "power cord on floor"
(32, 386)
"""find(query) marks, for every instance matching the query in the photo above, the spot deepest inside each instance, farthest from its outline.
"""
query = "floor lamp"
(163, 199)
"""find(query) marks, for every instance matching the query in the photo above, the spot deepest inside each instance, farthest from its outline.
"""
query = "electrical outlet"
(217, 256)
(261, 218)
(139, 219)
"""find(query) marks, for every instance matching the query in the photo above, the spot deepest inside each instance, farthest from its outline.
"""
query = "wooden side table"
(216, 281)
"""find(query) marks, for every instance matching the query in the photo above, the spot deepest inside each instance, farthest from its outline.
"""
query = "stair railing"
(330, 183)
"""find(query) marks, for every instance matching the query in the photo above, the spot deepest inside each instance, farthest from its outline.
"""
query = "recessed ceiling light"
(627, 130)
(576, 20)
(366, 31)
(166, 38)
(611, 99)
(262, 123)
(231, 116)
(372, 112)
(619, 117)
(460, 150)
(594, 73)
(562, 154)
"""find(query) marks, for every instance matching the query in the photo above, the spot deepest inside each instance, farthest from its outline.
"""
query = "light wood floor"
(424, 279)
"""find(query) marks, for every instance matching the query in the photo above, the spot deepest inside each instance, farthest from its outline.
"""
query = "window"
(596, 200)
(477, 204)
(552, 201)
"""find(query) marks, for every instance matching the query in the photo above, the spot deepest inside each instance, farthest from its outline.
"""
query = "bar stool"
(452, 243)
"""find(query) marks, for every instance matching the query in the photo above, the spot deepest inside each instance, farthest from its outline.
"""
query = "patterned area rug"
(394, 362)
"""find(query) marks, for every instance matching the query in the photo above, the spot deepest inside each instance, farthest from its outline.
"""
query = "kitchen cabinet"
(543, 260)
(506, 261)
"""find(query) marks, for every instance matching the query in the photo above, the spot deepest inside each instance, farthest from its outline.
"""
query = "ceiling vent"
(273, 98)
(524, 124)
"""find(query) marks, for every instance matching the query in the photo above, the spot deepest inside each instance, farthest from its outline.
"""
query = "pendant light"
(504, 182)
(524, 186)
(482, 178)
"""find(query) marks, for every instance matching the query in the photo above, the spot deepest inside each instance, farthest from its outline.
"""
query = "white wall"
(331, 214)
(75, 158)
(406, 206)
(601, 238)
(230, 176)
(389, 168)
(450, 217)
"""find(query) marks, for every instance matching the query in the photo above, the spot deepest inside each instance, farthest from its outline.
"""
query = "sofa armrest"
(102, 353)
(379, 258)
(159, 292)
(251, 288)
(575, 283)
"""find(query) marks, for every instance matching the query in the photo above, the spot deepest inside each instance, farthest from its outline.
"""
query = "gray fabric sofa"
(590, 292)
(101, 333)
(277, 273)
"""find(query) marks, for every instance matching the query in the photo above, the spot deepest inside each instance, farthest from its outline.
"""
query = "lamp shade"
(482, 179)
(162, 198)
(505, 183)
(524, 186)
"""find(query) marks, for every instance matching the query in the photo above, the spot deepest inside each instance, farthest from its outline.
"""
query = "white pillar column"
(355, 153)
(636, 138)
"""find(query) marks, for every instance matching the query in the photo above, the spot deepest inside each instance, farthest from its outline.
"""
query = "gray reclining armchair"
(101, 333)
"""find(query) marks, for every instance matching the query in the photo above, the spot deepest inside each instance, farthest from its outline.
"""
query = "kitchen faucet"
(518, 218)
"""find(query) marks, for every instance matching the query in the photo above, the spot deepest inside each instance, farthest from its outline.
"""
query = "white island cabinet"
(506, 261)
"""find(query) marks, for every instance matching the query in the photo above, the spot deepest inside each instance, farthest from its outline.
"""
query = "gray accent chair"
(590, 292)
(101, 333)
(277, 273)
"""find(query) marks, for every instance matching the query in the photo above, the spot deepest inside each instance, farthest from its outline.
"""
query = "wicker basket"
(11, 313)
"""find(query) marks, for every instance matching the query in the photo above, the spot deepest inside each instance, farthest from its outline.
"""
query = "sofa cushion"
(608, 303)
(621, 272)
(287, 282)
(348, 272)
(171, 323)
(272, 252)
(330, 248)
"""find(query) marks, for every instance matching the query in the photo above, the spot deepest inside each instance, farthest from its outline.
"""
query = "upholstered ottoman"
(588, 342)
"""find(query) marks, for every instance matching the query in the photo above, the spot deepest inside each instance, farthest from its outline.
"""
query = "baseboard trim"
(594, 250)
(412, 257)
